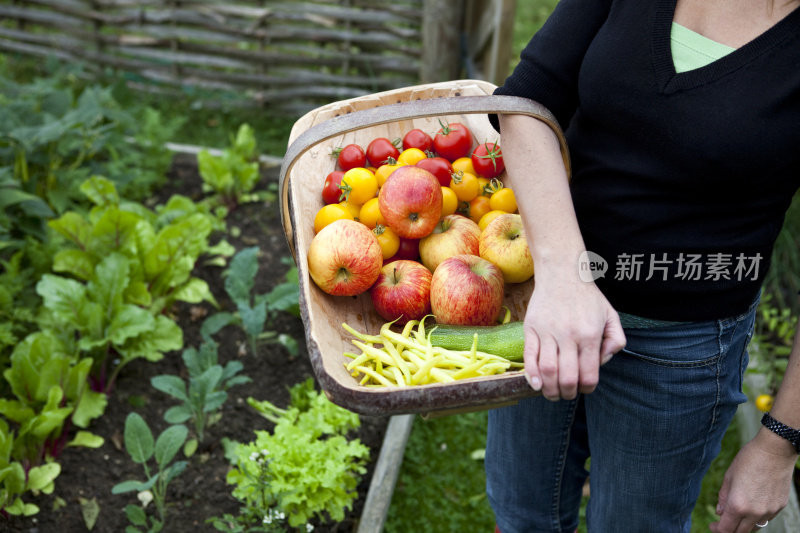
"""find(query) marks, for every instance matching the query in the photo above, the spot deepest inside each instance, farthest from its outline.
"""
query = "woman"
(682, 121)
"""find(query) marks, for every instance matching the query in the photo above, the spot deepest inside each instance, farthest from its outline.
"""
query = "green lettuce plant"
(233, 174)
(306, 467)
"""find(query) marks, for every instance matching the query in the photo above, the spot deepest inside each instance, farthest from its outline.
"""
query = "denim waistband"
(638, 322)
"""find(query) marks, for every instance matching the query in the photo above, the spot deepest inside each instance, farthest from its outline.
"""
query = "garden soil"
(201, 491)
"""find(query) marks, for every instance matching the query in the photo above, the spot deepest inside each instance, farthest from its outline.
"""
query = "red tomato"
(351, 156)
(417, 138)
(439, 167)
(452, 141)
(409, 249)
(331, 191)
(380, 150)
(487, 160)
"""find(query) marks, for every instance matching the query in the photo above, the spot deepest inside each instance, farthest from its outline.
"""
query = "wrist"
(778, 439)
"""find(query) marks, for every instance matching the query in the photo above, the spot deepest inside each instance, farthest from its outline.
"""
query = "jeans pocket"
(690, 345)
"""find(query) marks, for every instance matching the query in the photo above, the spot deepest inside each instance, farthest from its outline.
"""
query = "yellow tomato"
(465, 185)
(449, 201)
(383, 172)
(764, 402)
(478, 207)
(464, 164)
(488, 217)
(411, 156)
(483, 182)
(504, 200)
(328, 214)
(370, 214)
(354, 209)
(359, 185)
(389, 240)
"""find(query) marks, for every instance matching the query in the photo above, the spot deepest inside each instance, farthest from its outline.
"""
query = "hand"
(756, 486)
(570, 330)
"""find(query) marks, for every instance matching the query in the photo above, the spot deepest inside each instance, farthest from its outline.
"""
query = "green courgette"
(506, 340)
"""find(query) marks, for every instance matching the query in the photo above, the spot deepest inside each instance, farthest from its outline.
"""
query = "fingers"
(613, 338)
(548, 367)
(531, 358)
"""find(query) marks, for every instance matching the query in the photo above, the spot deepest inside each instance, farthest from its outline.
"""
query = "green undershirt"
(690, 50)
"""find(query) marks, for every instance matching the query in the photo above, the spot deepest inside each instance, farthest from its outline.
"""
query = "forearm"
(536, 173)
(785, 407)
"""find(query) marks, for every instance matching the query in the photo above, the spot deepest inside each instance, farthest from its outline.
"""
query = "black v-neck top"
(680, 180)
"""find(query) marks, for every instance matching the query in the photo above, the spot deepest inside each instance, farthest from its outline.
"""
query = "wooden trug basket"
(308, 160)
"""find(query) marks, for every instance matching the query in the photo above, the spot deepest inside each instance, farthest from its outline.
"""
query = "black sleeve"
(550, 63)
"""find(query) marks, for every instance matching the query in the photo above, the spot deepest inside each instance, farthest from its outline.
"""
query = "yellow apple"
(503, 243)
(453, 235)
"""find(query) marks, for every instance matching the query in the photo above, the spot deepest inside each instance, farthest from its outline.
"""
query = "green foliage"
(54, 135)
(232, 175)
(142, 447)
(49, 385)
(253, 311)
(306, 468)
(131, 264)
(15, 481)
(772, 341)
(206, 391)
(441, 487)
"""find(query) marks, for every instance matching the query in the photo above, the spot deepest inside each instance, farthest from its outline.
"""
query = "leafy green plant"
(233, 174)
(140, 445)
(15, 481)
(50, 388)
(207, 385)
(306, 468)
(131, 265)
(254, 311)
(772, 342)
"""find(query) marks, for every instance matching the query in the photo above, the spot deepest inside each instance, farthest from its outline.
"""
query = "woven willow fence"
(289, 55)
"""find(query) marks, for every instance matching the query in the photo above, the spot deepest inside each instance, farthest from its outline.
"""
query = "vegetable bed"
(83, 490)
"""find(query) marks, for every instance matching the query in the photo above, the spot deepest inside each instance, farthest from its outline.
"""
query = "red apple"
(452, 235)
(411, 201)
(344, 258)
(503, 243)
(467, 290)
(402, 290)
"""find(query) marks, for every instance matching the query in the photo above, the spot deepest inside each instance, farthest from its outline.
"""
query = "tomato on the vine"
(330, 190)
(417, 138)
(487, 160)
(464, 164)
(383, 171)
(452, 141)
(504, 200)
(465, 186)
(351, 156)
(439, 167)
(379, 150)
(370, 213)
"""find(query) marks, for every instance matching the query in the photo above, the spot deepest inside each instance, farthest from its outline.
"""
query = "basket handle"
(356, 120)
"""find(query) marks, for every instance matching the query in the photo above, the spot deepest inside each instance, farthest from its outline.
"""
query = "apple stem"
(395, 275)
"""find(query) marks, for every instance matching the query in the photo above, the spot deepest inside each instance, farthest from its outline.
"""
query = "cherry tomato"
(379, 150)
(449, 201)
(408, 249)
(328, 214)
(452, 141)
(417, 138)
(359, 185)
(331, 191)
(439, 167)
(504, 200)
(370, 213)
(487, 159)
(478, 207)
(464, 164)
(488, 217)
(411, 156)
(465, 186)
(384, 171)
(351, 156)
(483, 184)
(388, 240)
(354, 209)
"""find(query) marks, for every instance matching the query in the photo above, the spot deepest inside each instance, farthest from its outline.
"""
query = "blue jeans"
(652, 427)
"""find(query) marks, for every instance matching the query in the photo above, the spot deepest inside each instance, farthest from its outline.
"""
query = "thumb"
(531, 357)
(613, 338)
